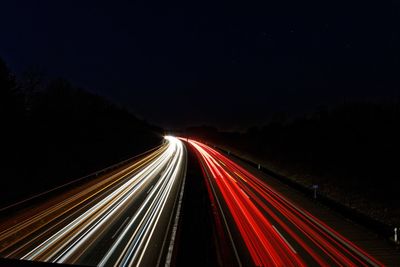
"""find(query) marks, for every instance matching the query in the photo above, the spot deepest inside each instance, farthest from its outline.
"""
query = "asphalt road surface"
(264, 228)
(126, 218)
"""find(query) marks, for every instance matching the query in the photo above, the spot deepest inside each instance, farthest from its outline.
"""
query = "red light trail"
(274, 230)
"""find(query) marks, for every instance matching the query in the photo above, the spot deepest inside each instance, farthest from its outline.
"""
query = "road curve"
(265, 228)
(127, 218)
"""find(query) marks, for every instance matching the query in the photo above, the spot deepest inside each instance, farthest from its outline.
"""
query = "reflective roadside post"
(395, 235)
(259, 166)
(315, 187)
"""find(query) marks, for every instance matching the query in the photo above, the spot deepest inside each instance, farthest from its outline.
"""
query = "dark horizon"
(230, 66)
(200, 133)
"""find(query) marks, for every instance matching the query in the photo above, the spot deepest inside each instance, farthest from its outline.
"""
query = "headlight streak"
(35, 223)
(95, 214)
(249, 200)
(154, 188)
(150, 218)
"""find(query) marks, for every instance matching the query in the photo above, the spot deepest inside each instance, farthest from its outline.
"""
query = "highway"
(126, 218)
(264, 228)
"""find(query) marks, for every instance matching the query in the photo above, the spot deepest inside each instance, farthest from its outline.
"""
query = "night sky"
(228, 64)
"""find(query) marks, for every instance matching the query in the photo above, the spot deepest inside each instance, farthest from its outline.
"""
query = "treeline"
(53, 132)
(352, 152)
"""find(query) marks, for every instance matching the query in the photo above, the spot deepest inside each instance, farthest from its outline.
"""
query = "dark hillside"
(350, 151)
(53, 132)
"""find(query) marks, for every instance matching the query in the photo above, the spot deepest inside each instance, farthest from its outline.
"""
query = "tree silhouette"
(54, 132)
(351, 151)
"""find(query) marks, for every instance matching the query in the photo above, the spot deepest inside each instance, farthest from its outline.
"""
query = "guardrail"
(36, 198)
(376, 226)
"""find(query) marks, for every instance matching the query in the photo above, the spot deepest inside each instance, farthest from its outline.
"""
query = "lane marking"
(244, 193)
(230, 177)
(240, 176)
(119, 228)
(150, 189)
(284, 239)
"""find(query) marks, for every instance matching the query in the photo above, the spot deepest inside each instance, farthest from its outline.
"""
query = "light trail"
(274, 230)
(111, 222)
